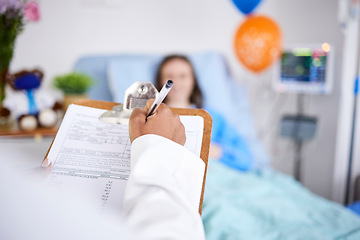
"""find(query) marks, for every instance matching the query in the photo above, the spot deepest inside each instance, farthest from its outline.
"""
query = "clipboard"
(204, 155)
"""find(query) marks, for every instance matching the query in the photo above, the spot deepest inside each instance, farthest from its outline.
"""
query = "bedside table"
(12, 130)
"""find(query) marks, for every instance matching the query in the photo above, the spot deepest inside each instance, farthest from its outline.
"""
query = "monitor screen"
(304, 70)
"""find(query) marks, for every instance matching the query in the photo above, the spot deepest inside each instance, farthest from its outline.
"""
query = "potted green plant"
(74, 85)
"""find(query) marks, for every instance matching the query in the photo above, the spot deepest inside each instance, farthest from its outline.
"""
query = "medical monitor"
(305, 69)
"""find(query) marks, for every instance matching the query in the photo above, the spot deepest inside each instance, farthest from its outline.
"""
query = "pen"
(160, 97)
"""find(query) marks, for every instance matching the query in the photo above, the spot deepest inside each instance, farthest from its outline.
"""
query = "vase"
(70, 98)
(4, 112)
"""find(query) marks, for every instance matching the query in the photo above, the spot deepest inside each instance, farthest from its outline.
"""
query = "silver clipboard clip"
(135, 96)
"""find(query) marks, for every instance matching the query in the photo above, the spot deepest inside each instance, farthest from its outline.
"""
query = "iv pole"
(350, 162)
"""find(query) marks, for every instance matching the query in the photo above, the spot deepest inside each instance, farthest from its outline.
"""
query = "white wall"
(71, 28)
(304, 21)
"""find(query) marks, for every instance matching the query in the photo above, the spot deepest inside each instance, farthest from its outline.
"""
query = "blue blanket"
(270, 205)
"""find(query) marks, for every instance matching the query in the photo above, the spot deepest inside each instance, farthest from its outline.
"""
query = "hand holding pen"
(164, 123)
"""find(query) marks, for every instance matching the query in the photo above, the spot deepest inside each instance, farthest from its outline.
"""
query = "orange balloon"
(258, 43)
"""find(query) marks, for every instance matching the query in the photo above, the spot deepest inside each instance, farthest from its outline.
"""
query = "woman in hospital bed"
(251, 203)
(227, 146)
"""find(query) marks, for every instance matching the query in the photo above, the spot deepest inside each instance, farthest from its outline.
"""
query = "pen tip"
(169, 83)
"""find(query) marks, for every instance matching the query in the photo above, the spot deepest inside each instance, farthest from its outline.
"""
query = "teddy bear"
(31, 107)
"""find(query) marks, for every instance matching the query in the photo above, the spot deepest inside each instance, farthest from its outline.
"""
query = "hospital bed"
(257, 204)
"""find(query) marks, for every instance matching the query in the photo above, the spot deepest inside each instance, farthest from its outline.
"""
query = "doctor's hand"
(164, 123)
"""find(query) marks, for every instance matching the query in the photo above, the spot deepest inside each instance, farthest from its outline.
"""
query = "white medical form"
(93, 158)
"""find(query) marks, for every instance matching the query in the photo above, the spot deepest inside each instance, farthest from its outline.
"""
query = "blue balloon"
(246, 6)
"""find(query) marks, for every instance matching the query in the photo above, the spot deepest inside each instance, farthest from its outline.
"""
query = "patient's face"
(181, 73)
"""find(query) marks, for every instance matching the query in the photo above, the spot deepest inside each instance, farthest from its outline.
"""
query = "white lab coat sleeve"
(163, 192)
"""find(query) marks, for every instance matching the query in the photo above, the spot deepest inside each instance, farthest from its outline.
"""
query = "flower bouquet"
(13, 16)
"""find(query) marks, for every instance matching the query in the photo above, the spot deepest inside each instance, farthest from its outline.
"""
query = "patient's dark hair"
(196, 95)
